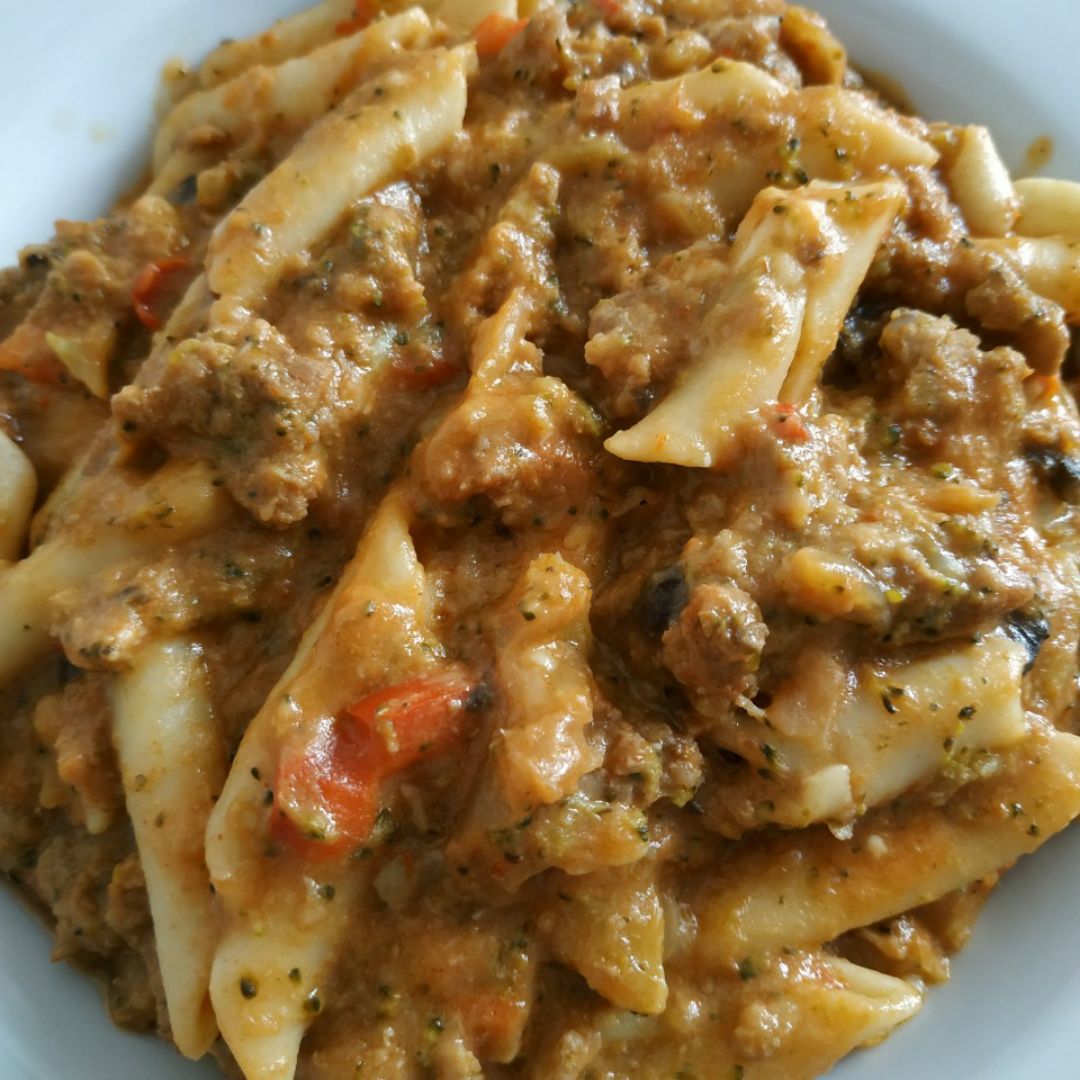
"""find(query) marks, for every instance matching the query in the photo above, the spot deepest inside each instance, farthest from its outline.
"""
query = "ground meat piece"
(131, 1000)
(956, 403)
(601, 246)
(648, 760)
(136, 994)
(269, 401)
(714, 647)
(94, 887)
(259, 410)
(755, 39)
(920, 256)
(250, 573)
(948, 589)
(641, 339)
(1035, 325)
(51, 424)
(74, 724)
(72, 877)
(525, 448)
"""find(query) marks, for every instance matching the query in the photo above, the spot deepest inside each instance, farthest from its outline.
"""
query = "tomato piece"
(786, 422)
(326, 793)
(494, 32)
(437, 372)
(365, 12)
(148, 286)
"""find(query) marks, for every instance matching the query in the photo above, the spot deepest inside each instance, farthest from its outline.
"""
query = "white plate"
(76, 82)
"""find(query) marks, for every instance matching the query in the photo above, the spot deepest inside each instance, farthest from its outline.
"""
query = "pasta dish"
(542, 542)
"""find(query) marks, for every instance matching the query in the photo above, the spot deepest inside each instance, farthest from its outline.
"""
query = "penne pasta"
(291, 96)
(892, 730)
(463, 17)
(835, 130)
(723, 85)
(841, 131)
(358, 147)
(977, 693)
(820, 56)
(834, 1005)
(18, 489)
(609, 926)
(287, 38)
(278, 920)
(1050, 265)
(980, 183)
(1047, 207)
(544, 748)
(181, 501)
(790, 315)
(173, 762)
(786, 893)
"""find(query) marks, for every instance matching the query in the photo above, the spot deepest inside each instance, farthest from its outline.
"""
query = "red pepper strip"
(786, 423)
(364, 14)
(148, 285)
(326, 793)
(493, 32)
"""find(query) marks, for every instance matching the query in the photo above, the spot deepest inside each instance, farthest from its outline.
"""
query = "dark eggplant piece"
(665, 595)
(1029, 630)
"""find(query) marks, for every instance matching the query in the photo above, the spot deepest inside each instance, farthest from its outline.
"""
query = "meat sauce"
(921, 500)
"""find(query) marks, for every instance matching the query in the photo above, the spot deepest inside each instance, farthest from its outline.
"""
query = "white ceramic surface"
(76, 83)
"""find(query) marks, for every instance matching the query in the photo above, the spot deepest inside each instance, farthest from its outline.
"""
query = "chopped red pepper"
(610, 8)
(27, 352)
(424, 376)
(326, 793)
(365, 12)
(148, 286)
(492, 1020)
(494, 32)
(786, 422)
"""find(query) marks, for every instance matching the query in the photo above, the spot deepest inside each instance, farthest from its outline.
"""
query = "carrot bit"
(494, 32)
(365, 12)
